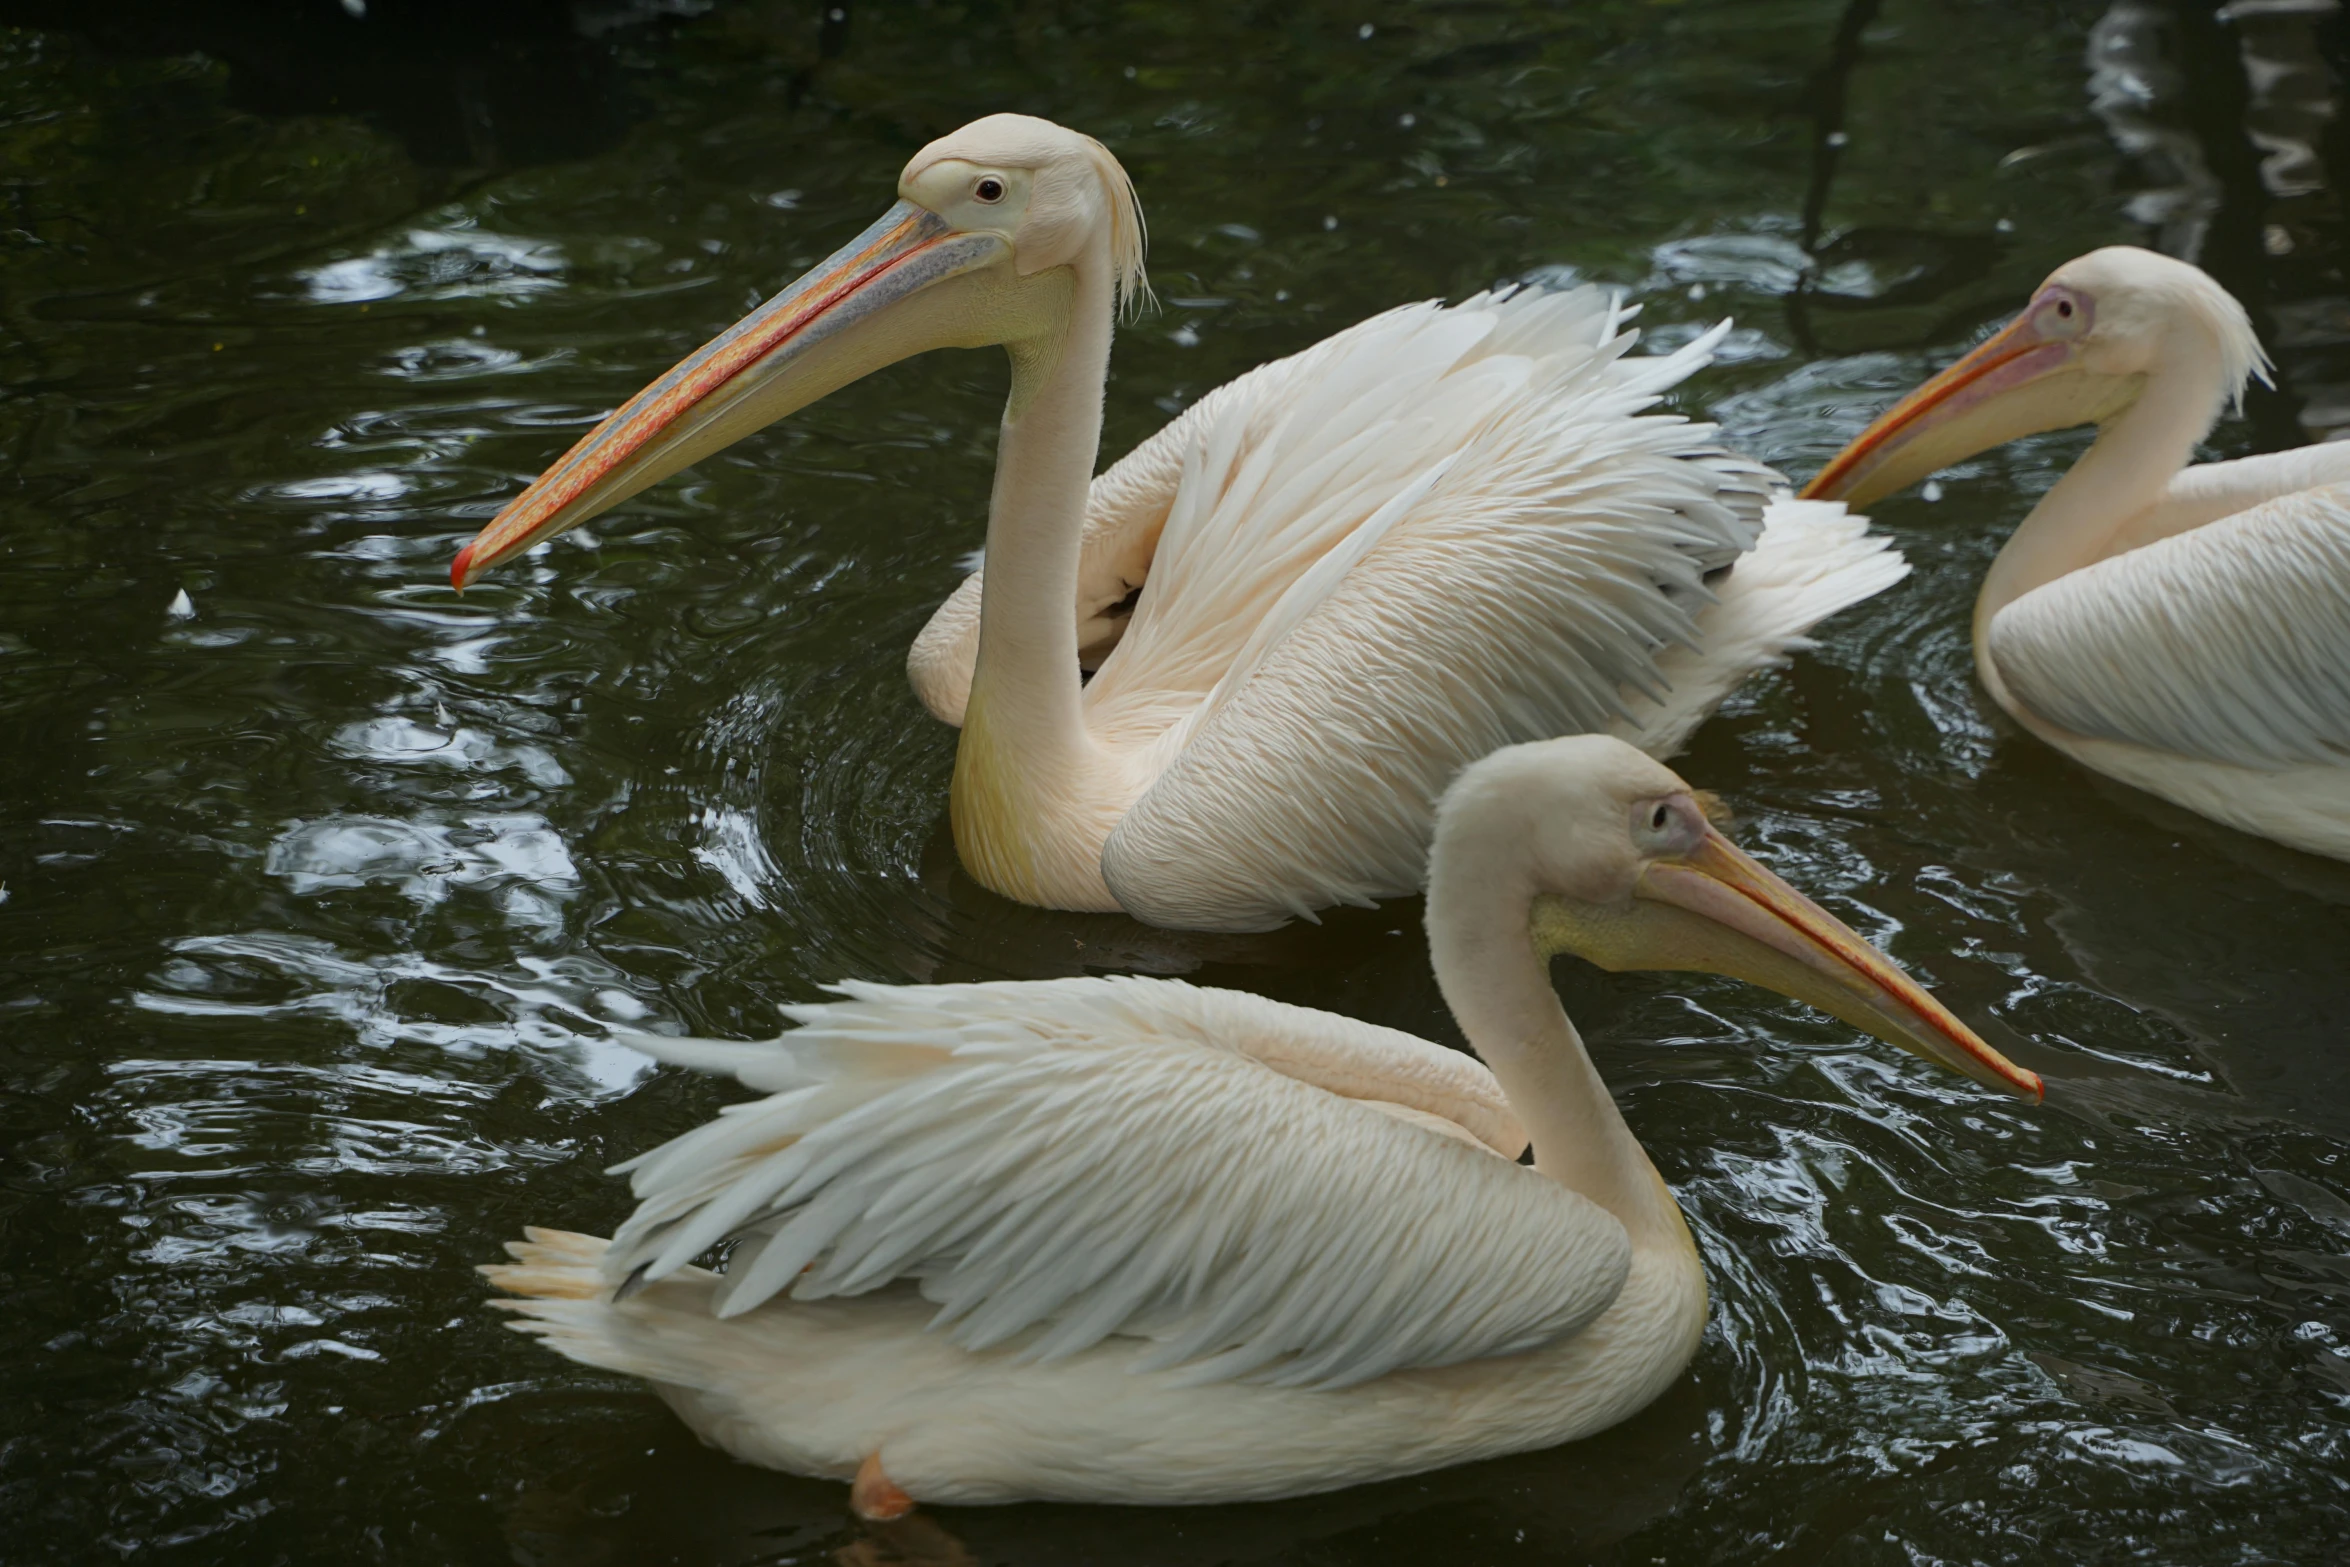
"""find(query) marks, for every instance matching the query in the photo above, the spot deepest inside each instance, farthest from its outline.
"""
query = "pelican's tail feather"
(1813, 559)
(563, 1300)
(550, 1265)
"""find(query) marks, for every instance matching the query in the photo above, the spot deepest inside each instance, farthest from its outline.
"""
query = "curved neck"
(1025, 686)
(1481, 939)
(2137, 454)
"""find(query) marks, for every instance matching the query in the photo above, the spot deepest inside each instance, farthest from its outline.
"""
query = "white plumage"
(1132, 1240)
(1812, 559)
(2230, 642)
(889, 1154)
(2185, 629)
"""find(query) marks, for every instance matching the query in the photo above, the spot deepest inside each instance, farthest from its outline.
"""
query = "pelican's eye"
(2059, 313)
(1672, 825)
(988, 188)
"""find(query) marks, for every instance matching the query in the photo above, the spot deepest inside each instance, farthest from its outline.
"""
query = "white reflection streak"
(549, 1005)
(438, 264)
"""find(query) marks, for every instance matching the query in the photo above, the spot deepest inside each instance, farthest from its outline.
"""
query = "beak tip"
(461, 569)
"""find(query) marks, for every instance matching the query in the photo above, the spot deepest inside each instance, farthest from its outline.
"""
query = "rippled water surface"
(323, 886)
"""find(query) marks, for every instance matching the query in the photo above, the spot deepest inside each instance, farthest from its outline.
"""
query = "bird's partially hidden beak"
(905, 285)
(2018, 383)
(1715, 911)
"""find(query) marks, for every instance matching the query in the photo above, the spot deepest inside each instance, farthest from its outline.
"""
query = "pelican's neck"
(2130, 466)
(1481, 939)
(1026, 682)
(1028, 806)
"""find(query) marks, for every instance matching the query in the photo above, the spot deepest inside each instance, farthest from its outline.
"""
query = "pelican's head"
(1620, 865)
(2095, 334)
(1051, 196)
(996, 230)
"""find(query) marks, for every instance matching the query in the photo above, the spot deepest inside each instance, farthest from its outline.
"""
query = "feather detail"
(1058, 1162)
(2229, 642)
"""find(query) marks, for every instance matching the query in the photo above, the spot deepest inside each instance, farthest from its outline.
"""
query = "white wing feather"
(2230, 642)
(1813, 559)
(1516, 550)
(1060, 1161)
(1488, 417)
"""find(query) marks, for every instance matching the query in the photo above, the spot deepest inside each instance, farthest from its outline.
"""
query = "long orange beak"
(813, 338)
(1808, 953)
(1901, 445)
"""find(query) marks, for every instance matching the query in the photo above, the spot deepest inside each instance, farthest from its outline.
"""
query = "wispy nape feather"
(1129, 234)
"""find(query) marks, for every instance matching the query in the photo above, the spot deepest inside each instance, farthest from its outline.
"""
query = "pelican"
(1130, 1240)
(2183, 629)
(1309, 600)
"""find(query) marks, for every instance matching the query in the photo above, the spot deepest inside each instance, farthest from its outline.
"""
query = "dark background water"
(316, 902)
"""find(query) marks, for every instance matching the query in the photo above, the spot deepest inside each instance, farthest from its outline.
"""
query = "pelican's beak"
(876, 300)
(1716, 911)
(2018, 383)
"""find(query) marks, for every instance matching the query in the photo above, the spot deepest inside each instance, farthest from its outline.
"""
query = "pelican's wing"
(2229, 642)
(1056, 1162)
(1125, 510)
(1459, 533)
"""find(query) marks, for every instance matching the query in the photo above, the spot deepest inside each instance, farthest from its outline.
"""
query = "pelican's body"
(817, 1387)
(1309, 600)
(2184, 629)
(1130, 1240)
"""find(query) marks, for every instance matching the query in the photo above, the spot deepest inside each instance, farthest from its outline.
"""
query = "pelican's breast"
(1029, 828)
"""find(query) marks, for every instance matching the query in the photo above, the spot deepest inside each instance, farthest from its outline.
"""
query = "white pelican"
(1128, 1240)
(2184, 629)
(1348, 573)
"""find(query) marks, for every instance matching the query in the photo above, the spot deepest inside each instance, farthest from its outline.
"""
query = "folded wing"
(1263, 1191)
(2230, 642)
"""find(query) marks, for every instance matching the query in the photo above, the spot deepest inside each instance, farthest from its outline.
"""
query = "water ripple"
(320, 907)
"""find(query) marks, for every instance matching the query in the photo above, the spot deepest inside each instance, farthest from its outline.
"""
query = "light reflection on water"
(322, 903)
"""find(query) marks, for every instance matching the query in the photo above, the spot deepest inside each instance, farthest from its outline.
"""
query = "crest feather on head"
(1129, 235)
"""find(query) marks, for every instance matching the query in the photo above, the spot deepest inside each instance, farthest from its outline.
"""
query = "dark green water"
(318, 901)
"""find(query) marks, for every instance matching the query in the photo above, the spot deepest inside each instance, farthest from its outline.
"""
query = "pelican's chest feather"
(1033, 834)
